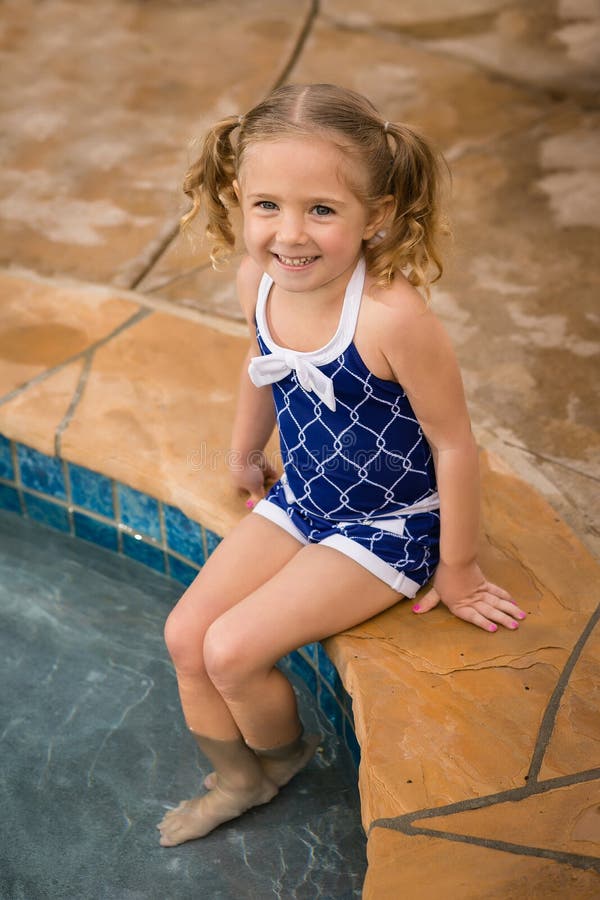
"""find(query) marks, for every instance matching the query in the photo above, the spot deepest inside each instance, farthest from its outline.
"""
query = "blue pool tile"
(91, 491)
(180, 571)
(139, 511)
(351, 742)
(144, 553)
(212, 541)
(47, 513)
(331, 708)
(40, 472)
(6, 464)
(97, 532)
(311, 651)
(329, 672)
(304, 670)
(184, 536)
(348, 709)
(9, 498)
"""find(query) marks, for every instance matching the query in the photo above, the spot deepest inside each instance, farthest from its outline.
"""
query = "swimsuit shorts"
(401, 550)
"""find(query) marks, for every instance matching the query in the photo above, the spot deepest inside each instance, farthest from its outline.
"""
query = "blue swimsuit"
(358, 471)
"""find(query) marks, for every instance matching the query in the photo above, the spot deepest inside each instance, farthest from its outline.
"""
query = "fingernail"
(416, 608)
(493, 628)
(250, 504)
(521, 615)
(514, 624)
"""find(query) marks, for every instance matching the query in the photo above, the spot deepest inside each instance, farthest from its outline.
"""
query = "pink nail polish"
(493, 628)
(514, 624)
(416, 608)
(521, 615)
(250, 504)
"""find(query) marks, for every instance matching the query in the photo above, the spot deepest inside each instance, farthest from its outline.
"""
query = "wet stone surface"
(94, 749)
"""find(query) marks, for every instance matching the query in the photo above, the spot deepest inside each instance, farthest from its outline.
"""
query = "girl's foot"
(280, 771)
(197, 817)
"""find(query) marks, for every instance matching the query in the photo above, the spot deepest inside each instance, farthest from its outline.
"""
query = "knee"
(184, 642)
(226, 657)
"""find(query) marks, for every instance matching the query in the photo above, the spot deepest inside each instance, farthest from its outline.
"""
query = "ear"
(378, 217)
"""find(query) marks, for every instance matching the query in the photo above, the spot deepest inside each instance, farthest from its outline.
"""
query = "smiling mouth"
(295, 261)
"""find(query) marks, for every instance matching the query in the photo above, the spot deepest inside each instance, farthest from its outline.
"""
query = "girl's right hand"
(252, 477)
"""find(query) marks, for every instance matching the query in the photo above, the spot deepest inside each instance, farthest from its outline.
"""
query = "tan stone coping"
(480, 769)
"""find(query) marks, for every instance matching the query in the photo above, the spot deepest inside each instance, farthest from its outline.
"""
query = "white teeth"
(295, 260)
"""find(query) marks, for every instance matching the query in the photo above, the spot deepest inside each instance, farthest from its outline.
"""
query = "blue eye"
(322, 210)
(266, 204)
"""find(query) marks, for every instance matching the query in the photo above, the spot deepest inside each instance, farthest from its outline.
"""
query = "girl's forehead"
(311, 156)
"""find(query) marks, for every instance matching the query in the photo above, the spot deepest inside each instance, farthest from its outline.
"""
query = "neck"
(323, 297)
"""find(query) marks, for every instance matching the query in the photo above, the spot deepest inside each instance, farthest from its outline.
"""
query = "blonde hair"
(398, 160)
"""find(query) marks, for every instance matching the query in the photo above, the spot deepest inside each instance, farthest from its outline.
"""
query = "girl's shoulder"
(398, 305)
(248, 279)
(400, 323)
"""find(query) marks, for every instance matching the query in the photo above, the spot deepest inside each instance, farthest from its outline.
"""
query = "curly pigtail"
(410, 242)
(209, 184)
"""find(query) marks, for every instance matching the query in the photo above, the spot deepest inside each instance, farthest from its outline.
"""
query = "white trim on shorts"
(398, 581)
(276, 514)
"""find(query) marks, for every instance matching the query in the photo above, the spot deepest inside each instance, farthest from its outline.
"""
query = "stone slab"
(44, 324)
(104, 101)
(432, 867)
(553, 46)
(566, 820)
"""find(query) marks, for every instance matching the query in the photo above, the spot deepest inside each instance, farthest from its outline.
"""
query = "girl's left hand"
(470, 596)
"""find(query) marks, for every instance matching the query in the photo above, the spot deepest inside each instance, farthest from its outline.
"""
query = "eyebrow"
(316, 201)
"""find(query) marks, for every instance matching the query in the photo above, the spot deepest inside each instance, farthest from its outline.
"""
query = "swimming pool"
(94, 748)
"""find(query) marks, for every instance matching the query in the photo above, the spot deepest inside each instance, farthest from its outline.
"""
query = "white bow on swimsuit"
(281, 360)
(267, 369)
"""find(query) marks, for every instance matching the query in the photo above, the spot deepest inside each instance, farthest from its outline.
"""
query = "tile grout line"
(77, 395)
(577, 860)
(404, 823)
(550, 459)
(549, 718)
(309, 22)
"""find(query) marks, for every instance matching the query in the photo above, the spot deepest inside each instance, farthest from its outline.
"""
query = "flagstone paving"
(480, 771)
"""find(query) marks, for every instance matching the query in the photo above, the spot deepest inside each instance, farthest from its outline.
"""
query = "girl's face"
(303, 224)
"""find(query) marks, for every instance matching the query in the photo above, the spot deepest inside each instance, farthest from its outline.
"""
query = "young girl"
(380, 488)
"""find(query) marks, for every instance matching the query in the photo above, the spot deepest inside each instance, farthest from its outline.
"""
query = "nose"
(291, 228)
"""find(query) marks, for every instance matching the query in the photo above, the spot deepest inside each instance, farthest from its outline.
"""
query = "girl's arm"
(421, 357)
(254, 419)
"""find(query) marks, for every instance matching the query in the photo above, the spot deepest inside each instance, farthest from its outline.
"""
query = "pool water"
(93, 749)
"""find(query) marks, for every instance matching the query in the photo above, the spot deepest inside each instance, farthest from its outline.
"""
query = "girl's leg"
(237, 567)
(318, 592)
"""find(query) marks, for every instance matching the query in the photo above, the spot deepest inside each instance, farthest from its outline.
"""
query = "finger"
(506, 606)
(494, 614)
(431, 599)
(499, 592)
(501, 612)
(470, 614)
